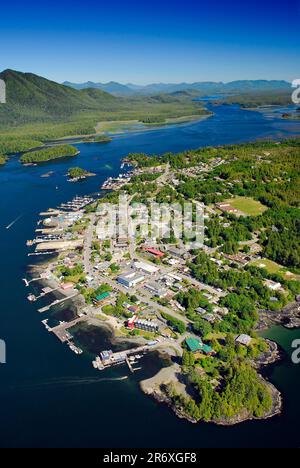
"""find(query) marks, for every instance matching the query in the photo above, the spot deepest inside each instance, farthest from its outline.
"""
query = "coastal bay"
(104, 162)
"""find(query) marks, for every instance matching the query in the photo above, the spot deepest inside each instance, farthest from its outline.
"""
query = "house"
(273, 285)
(66, 286)
(196, 345)
(210, 318)
(243, 339)
(178, 253)
(156, 289)
(193, 344)
(206, 349)
(147, 325)
(238, 258)
(130, 322)
(121, 242)
(142, 324)
(102, 298)
(130, 279)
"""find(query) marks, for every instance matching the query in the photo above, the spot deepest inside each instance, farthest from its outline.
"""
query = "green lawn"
(248, 206)
(273, 267)
(269, 265)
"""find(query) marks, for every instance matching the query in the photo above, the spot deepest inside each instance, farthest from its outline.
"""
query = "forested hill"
(31, 98)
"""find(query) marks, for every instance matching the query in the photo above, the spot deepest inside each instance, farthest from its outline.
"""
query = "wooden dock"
(121, 357)
(56, 302)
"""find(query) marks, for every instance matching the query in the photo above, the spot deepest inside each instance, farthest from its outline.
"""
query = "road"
(87, 246)
(167, 270)
(143, 296)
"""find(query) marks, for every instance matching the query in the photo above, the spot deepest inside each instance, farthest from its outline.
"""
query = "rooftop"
(193, 344)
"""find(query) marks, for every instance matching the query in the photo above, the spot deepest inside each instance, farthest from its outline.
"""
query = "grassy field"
(273, 267)
(248, 206)
(269, 265)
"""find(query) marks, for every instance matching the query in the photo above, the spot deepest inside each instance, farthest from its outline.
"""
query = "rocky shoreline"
(155, 387)
(289, 317)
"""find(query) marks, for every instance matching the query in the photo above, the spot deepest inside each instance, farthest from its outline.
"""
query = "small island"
(77, 173)
(98, 139)
(47, 154)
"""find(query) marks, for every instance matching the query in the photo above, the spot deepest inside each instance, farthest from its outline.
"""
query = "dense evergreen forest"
(46, 154)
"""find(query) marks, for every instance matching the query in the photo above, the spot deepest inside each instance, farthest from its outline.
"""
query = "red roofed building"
(155, 252)
(130, 322)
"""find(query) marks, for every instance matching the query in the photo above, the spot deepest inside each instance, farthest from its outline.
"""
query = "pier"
(43, 276)
(62, 333)
(44, 292)
(121, 357)
(50, 213)
(129, 365)
(56, 302)
(41, 253)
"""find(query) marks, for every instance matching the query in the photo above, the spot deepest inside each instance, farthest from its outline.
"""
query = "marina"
(78, 203)
(57, 302)
(52, 237)
(62, 333)
(107, 358)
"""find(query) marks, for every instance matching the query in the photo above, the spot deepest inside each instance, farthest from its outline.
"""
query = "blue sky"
(157, 41)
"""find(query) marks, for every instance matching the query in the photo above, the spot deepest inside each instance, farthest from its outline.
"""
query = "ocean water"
(52, 397)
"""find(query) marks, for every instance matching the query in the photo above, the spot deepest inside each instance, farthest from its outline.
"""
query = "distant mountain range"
(203, 88)
(112, 87)
(34, 99)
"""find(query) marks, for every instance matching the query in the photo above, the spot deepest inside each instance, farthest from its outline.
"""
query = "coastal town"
(152, 292)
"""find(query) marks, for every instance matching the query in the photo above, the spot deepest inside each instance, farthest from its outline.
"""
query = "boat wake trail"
(72, 382)
(13, 222)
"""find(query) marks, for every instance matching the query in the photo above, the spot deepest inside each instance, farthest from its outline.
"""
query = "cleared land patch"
(273, 267)
(248, 206)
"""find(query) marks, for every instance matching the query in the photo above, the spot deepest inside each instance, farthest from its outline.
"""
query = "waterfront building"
(142, 324)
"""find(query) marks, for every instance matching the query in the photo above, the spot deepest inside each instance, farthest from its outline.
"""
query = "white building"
(130, 278)
(146, 267)
(272, 285)
(243, 339)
